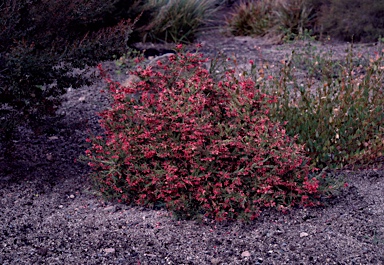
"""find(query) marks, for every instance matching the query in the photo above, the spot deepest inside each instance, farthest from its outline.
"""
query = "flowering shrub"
(176, 137)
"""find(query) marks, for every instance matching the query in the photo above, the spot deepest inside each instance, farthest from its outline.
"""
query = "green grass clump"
(293, 17)
(286, 18)
(176, 21)
(251, 18)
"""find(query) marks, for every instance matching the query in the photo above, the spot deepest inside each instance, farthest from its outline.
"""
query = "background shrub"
(341, 19)
(176, 21)
(293, 17)
(287, 18)
(358, 20)
(251, 18)
(176, 137)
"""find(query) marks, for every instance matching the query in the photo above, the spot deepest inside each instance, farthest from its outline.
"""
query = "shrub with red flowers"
(199, 146)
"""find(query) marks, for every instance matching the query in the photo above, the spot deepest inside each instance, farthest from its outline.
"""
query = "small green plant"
(336, 109)
(176, 21)
(175, 136)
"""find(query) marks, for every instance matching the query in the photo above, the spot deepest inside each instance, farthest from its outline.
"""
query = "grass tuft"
(177, 21)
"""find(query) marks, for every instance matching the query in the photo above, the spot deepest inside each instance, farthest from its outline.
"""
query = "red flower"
(196, 143)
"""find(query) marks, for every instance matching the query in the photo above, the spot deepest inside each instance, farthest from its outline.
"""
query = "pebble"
(109, 208)
(303, 234)
(109, 250)
(49, 157)
(245, 254)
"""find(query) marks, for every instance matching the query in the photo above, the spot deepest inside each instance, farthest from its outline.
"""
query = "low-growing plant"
(335, 109)
(175, 136)
(176, 21)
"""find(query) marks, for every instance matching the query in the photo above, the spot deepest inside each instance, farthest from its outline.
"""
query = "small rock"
(53, 138)
(61, 206)
(71, 196)
(81, 99)
(215, 261)
(109, 208)
(42, 251)
(303, 234)
(49, 157)
(109, 250)
(245, 254)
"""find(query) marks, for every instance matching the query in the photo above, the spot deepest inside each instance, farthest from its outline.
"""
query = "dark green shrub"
(36, 36)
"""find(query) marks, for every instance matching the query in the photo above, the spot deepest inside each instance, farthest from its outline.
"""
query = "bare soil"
(49, 213)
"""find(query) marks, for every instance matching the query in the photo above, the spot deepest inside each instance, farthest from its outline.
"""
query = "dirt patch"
(50, 215)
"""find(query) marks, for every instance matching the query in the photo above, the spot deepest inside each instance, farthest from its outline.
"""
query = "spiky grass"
(177, 20)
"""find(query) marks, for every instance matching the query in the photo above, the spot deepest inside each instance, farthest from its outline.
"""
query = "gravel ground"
(49, 213)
